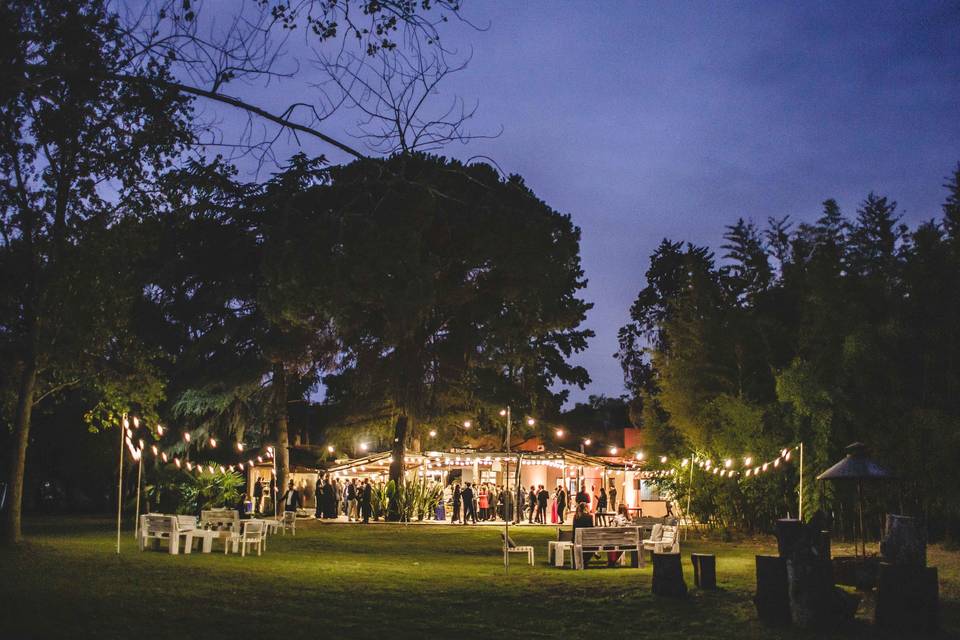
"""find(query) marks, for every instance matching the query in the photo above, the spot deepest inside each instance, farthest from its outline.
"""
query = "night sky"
(652, 120)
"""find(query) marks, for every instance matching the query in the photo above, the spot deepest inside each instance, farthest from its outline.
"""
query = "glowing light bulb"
(213, 443)
(685, 462)
(787, 457)
(136, 422)
(467, 424)
(126, 423)
(159, 429)
(433, 433)
(503, 412)
(776, 462)
(176, 461)
(330, 448)
(163, 456)
(613, 451)
(153, 448)
(363, 446)
(588, 442)
(186, 437)
(239, 446)
(531, 422)
(747, 461)
(728, 463)
(663, 459)
(559, 433)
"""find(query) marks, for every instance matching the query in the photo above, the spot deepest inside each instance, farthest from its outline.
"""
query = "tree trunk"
(280, 429)
(400, 429)
(11, 532)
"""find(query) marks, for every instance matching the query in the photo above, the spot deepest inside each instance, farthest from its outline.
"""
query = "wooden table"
(207, 535)
(555, 551)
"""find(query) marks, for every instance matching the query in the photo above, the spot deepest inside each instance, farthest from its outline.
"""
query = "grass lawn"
(379, 581)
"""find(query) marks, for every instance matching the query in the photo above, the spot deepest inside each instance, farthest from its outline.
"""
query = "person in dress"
(561, 503)
(482, 499)
(602, 508)
(456, 502)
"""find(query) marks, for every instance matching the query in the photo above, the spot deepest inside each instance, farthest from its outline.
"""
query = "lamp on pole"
(506, 521)
(124, 427)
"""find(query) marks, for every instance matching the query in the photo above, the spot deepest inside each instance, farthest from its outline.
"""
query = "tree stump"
(908, 598)
(668, 575)
(772, 598)
(814, 601)
(704, 570)
(788, 531)
(903, 544)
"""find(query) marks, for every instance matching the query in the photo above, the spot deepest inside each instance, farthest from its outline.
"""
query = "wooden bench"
(158, 527)
(512, 547)
(610, 539)
(221, 520)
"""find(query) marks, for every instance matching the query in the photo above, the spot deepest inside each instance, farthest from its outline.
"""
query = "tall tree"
(453, 289)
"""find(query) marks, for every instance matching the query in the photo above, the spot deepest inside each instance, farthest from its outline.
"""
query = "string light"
(531, 422)
(467, 424)
(213, 443)
(163, 456)
(136, 422)
(159, 429)
(186, 436)
(239, 446)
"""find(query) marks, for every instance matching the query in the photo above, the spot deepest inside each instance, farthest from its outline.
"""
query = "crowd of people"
(484, 502)
(470, 502)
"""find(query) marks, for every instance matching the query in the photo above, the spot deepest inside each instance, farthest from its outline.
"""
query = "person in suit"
(290, 498)
(456, 502)
(582, 496)
(602, 507)
(469, 511)
(531, 504)
(258, 495)
(318, 493)
(561, 497)
(613, 496)
(543, 497)
(366, 500)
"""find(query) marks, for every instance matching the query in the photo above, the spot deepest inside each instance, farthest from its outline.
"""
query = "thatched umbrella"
(857, 466)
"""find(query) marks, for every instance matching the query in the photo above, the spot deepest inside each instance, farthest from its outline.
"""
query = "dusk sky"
(652, 120)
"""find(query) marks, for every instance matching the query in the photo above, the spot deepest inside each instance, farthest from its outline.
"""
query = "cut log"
(668, 575)
(788, 532)
(903, 543)
(704, 570)
(772, 598)
(908, 598)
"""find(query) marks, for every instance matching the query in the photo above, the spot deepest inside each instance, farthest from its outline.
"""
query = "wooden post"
(123, 431)
(668, 575)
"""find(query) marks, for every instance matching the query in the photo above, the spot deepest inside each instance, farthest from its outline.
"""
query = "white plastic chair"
(251, 535)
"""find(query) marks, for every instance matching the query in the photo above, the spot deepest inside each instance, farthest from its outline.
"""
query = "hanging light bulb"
(613, 451)
(126, 423)
(186, 436)
(663, 459)
(503, 412)
(176, 461)
(776, 462)
(433, 433)
(136, 422)
(747, 461)
(559, 433)
(787, 456)
(163, 456)
(153, 448)
(159, 429)
(330, 448)
(239, 446)
(467, 424)
(213, 443)
(364, 446)
(685, 462)
(531, 422)
(588, 442)
(728, 463)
